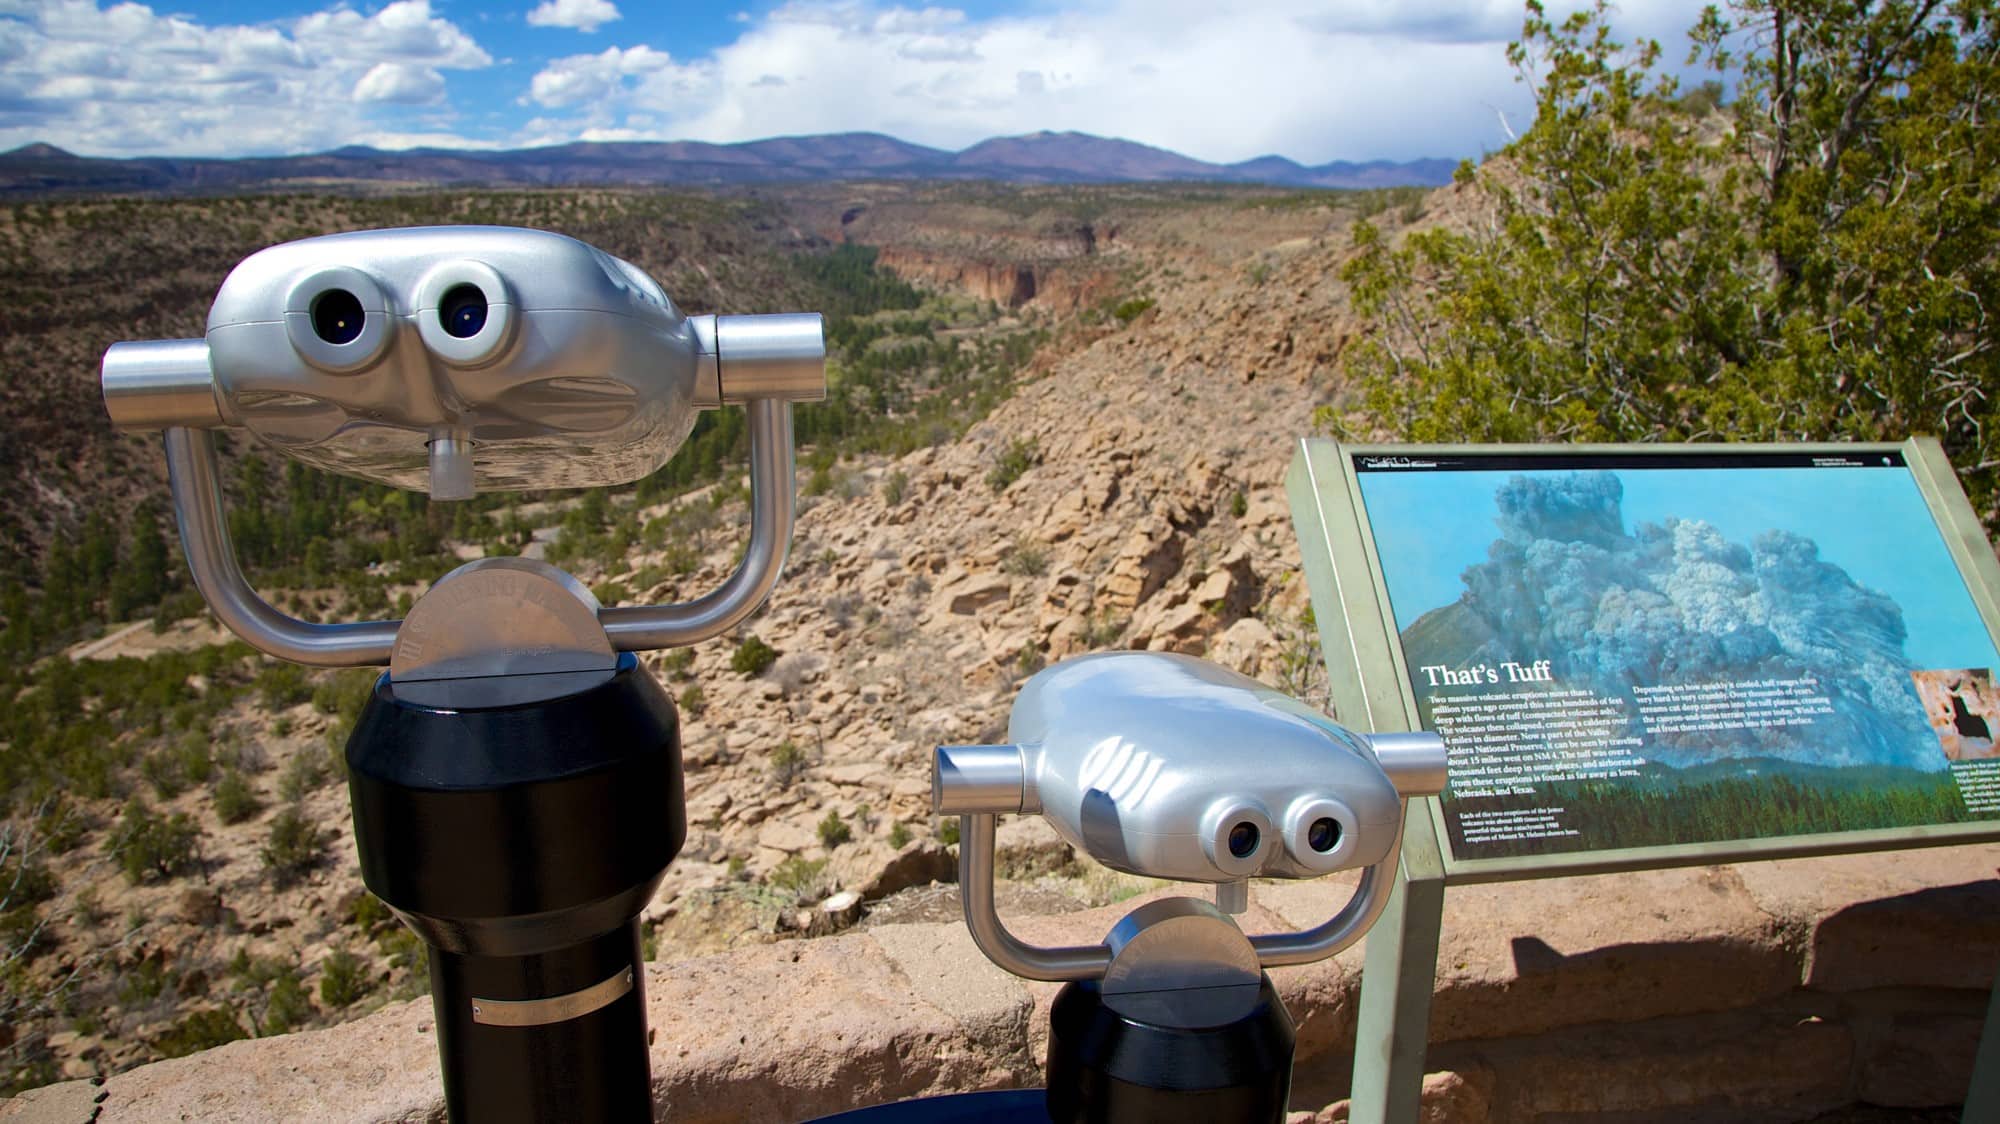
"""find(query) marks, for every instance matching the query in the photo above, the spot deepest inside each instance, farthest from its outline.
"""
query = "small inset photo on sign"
(1964, 711)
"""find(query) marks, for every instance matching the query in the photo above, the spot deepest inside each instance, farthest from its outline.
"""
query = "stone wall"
(1768, 991)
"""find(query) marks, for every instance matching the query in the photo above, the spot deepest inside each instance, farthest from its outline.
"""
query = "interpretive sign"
(1647, 657)
(1628, 649)
(1634, 650)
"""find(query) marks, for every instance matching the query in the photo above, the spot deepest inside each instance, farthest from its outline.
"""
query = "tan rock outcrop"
(1151, 554)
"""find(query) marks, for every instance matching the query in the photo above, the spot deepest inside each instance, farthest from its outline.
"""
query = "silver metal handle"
(197, 495)
(740, 359)
(155, 384)
(640, 628)
(1010, 953)
(1084, 962)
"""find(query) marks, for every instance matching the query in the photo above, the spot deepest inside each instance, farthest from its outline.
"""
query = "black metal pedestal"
(1109, 1067)
(520, 841)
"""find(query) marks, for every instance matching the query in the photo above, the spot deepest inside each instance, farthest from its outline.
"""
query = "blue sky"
(1315, 80)
(1430, 526)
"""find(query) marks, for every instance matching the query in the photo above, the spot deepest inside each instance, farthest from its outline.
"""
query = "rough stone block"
(1524, 957)
(804, 1028)
(1914, 1049)
(382, 1069)
(1946, 936)
(64, 1103)
(1715, 1068)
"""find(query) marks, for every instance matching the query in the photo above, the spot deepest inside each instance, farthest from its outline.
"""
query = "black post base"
(501, 1063)
(1110, 1068)
(521, 841)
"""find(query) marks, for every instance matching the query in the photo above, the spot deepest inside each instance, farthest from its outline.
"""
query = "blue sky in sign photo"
(1320, 81)
(1429, 527)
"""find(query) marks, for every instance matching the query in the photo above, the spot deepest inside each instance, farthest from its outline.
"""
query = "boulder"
(975, 592)
(1150, 556)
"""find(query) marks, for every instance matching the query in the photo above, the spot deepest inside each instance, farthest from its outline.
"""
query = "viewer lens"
(1323, 835)
(1243, 840)
(463, 311)
(337, 317)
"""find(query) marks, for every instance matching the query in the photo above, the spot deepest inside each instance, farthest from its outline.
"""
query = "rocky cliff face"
(1127, 494)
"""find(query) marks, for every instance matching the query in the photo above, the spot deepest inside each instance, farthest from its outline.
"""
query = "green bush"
(253, 971)
(407, 954)
(343, 979)
(202, 1030)
(1021, 454)
(1806, 262)
(344, 693)
(289, 1004)
(798, 876)
(146, 844)
(369, 913)
(833, 831)
(788, 763)
(753, 657)
(1130, 310)
(895, 486)
(193, 755)
(61, 825)
(948, 831)
(235, 799)
(677, 663)
(161, 772)
(305, 772)
(1025, 559)
(281, 685)
(295, 845)
(692, 700)
(899, 835)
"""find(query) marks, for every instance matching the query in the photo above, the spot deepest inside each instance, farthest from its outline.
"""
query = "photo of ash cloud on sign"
(1642, 656)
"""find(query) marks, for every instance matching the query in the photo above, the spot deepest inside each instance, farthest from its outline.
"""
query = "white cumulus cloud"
(127, 80)
(1317, 80)
(614, 74)
(583, 15)
(401, 83)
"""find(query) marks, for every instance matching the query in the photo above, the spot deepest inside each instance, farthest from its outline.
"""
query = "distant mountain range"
(1036, 158)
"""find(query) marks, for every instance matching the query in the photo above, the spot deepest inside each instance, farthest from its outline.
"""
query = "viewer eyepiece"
(462, 311)
(337, 317)
(1324, 834)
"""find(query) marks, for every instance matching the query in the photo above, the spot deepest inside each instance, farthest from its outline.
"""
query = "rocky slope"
(1127, 494)
(1150, 514)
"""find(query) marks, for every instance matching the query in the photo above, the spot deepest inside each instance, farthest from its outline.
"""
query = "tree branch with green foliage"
(1813, 259)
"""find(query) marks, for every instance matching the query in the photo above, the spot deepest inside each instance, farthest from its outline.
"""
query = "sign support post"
(1397, 978)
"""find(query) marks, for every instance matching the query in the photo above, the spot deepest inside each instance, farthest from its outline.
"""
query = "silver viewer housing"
(459, 359)
(1172, 767)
